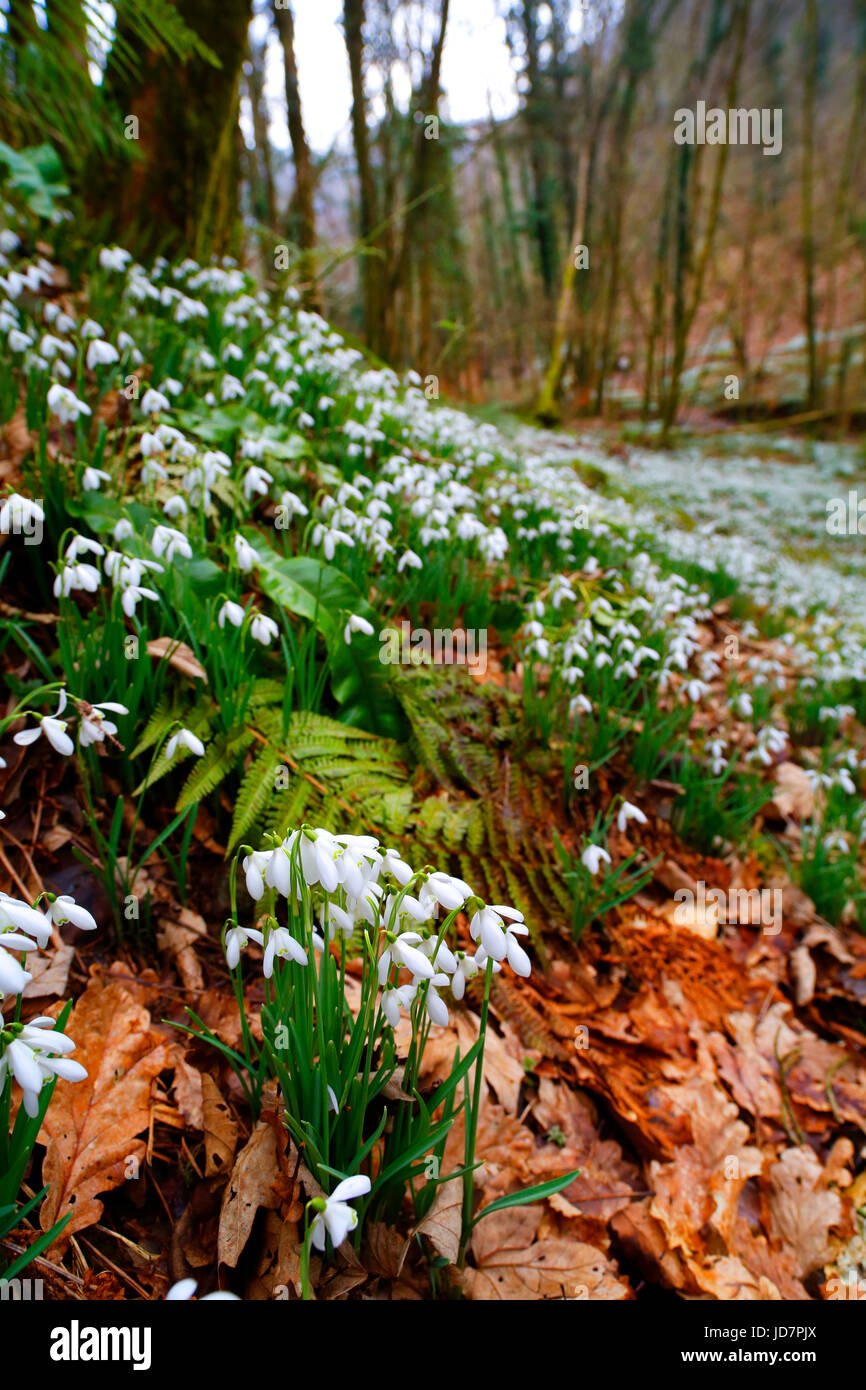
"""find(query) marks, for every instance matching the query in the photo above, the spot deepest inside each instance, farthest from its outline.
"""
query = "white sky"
(475, 62)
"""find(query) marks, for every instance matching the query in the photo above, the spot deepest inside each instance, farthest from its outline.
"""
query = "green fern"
(254, 793)
(221, 757)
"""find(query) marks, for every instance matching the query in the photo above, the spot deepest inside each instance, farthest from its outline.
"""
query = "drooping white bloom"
(35, 1054)
(236, 939)
(281, 944)
(244, 553)
(183, 1290)
(437, 1009)
(593, 857)
(93, 478)
(184, 738)
(101, 354)
(168, 542)
(132, 595)
(54, 729)
(254, 867)
(257, 481)
(263, 629)
(448, 892)
(356, 624)
(73, 576)
(114, 258)
(18, 514)
(627, 812)
(403, 950)
(65, 404)
(65, 909)
(467, 968)
(232, 613)
(338, 1219)
(152, 402)
(496, 926)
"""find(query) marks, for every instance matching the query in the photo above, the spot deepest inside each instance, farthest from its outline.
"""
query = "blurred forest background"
(448, 246)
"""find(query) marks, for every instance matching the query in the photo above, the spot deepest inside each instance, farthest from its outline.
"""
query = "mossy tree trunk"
(181, 196)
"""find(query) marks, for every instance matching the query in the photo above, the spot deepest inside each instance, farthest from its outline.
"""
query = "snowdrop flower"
(132, 595)
(65, 404)
(19, 514)
(65, 909)
(334, 1217)
(82, 545)
(696, 690)
(263, 629)
(16, 916)
(18, 341)
(447, 891)
(54, 729)
(280, 943)
(183, 1290)
(356, 624)
(236, 939)
(330, 539)
(73, 577)
(395, 998)
(183, 738)
(254, 866)
(593, 857)
(153, 471)
(175, 507)
(257, 480)
(244, 554)
(498, 939)
(94, 727)
(34, 1053)
(51, 346)
(114, 258)
(93, 478)
(153, 401)
(13, 977)
(403, 951)
(837, 841)
(232, 613)
(743, 705)
(467, 969)
(123, 530)
(437, 1009)
(101, 354)
(715, 753)
(319, 850)
(579, 705)
(169, 542)
(393, 864)
(411, 559)
(290, 506)
(627, 812)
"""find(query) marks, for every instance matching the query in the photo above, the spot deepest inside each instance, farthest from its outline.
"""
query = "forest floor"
(704, 1069)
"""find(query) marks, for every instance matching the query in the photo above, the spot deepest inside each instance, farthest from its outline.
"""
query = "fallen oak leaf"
(90, 1127)
(511, 1264)
(178, 655)
(252, 1185)
(220, 1130)
(444, 1221)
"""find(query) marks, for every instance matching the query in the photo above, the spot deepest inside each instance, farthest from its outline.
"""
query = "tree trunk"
(353, 23)
(181, 195)
(303, 220)
(807, 208)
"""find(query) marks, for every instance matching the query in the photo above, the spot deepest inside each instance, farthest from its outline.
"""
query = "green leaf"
(527, 1195)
